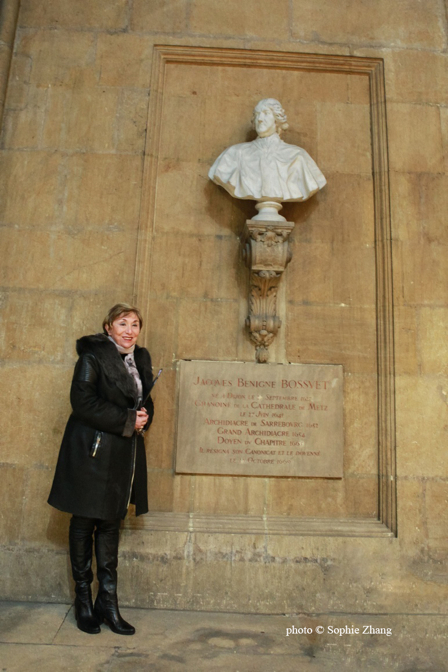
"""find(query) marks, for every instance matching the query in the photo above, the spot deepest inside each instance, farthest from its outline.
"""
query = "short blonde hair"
(120, 309)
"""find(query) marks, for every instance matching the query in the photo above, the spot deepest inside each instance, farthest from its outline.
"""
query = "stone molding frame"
(373, 68)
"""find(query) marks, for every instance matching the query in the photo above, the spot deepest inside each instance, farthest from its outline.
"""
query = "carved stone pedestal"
(266, 253)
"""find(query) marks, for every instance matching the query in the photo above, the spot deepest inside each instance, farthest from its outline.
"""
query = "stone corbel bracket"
(266, 253)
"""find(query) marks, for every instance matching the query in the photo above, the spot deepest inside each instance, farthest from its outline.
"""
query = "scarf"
(130, 365)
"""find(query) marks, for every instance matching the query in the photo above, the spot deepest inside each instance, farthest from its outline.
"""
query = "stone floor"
(35, 637)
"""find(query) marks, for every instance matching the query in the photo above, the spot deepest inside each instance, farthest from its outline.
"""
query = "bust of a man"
(267, 169)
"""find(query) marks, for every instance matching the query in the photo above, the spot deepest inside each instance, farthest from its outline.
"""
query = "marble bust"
(267, 169)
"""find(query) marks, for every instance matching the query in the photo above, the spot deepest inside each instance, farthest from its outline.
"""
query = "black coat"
(102, 460)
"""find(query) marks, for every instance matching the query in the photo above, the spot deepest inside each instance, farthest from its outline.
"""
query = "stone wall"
(105, 197)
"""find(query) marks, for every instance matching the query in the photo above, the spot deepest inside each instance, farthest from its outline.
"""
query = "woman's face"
(125, 330)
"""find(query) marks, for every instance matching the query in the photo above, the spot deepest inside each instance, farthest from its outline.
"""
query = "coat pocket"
(96, 444)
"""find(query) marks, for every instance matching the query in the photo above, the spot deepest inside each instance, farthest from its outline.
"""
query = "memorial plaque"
(240, 418)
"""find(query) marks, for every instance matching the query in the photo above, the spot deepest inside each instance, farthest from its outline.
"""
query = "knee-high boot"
(106, 551)
(81, 542)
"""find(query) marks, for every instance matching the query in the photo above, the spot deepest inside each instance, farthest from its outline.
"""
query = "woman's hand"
(141, 419)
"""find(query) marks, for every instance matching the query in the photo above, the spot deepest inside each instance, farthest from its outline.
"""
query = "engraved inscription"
(273, 420)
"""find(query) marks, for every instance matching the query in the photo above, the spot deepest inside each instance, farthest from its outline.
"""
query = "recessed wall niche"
(338, 288)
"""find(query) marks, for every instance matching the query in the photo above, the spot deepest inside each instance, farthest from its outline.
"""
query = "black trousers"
(83, 532)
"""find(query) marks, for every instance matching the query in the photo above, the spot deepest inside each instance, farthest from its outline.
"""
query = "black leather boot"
(84, 614)
(106, 551)
(81, 540)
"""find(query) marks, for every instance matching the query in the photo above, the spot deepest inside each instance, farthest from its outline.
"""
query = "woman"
(102, 462)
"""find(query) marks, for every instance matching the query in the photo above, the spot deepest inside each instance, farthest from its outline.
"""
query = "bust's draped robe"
(267, 168)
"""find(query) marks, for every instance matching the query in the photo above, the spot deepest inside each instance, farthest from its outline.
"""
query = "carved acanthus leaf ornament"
(266, 253)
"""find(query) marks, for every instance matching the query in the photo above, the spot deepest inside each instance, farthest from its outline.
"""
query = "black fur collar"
(102, 348)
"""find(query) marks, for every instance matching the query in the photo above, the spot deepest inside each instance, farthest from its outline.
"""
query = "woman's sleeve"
(89, 408)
